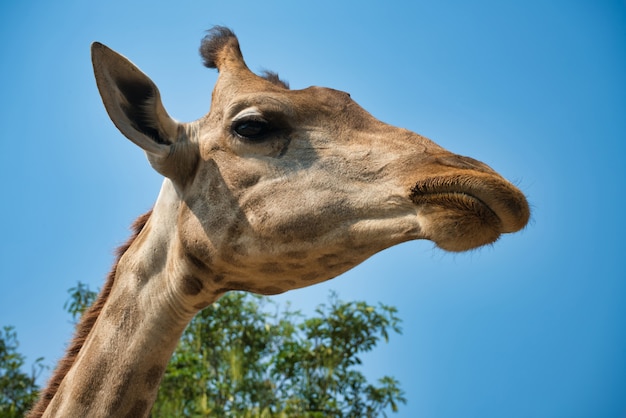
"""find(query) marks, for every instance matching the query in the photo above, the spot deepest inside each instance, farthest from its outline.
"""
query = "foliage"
(237, 358)
(18, 390)
(81, 297)
(243, 356)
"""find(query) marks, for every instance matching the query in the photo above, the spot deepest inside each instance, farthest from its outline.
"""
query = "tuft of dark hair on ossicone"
(215, 39)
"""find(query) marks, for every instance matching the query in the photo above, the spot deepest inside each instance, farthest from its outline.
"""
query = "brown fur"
(87, 320)
(325, 186)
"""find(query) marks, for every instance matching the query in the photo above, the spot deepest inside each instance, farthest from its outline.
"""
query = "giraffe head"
(276, 189)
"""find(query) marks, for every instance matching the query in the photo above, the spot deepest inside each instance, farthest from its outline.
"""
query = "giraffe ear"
(133, 103)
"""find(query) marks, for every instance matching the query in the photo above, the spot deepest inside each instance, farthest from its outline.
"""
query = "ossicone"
(220, 49)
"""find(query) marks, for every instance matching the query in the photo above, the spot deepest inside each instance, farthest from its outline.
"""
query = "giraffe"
(274, 189)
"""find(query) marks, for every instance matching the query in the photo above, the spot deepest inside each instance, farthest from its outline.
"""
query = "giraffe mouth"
(462, 212)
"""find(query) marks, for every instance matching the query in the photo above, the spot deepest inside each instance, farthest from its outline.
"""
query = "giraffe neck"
(118, 370)
(143, 310)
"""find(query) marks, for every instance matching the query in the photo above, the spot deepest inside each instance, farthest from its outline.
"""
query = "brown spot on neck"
(192, 285)
(84, 327)
(92, 379)
(154, 375)
(139, 409)
(120, 392)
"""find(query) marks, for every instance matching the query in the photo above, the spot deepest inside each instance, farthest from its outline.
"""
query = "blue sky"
(534, 326)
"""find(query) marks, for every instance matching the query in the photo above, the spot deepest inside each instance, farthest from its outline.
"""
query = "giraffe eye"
(252, 129)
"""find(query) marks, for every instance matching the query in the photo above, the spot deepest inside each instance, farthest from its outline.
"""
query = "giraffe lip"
(482, 194)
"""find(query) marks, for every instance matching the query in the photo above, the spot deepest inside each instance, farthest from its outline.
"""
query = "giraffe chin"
(457, 221)
(466, 210)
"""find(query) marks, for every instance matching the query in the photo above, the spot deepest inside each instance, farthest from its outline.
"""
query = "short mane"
(273, 78)
(87, 321)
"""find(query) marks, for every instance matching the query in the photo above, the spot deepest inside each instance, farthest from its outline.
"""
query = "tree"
(237, 358)
(18, 390)
(245, 356)
(81, 297)
(317, 366)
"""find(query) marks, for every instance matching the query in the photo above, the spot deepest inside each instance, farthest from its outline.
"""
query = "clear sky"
(533, 326)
